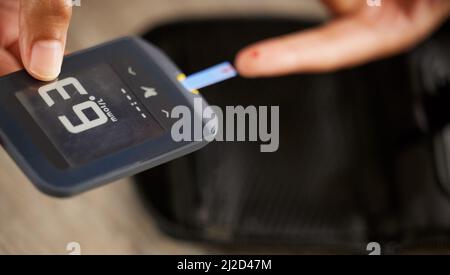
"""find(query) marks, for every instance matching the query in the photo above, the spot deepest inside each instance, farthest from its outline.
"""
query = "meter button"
(166, 113)
(149, 92)
(131, 71)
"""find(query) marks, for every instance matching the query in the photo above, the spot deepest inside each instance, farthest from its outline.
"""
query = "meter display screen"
(89, 114)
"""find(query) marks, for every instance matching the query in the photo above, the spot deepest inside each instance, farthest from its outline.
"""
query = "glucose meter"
(105, 117)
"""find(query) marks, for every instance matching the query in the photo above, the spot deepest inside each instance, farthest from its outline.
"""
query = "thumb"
(42, 38)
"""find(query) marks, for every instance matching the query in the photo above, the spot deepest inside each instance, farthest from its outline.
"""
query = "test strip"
(210, 76)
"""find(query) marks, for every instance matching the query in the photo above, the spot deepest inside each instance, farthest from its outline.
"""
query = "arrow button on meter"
(149, 92)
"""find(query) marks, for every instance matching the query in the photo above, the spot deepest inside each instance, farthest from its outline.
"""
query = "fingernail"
(46, 59)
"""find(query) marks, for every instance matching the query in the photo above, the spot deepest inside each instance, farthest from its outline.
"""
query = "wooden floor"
(111, 219)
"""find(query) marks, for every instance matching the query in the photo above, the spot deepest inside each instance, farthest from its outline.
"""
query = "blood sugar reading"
(89, 116)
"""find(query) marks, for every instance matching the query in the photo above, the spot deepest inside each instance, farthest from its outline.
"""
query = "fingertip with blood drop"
(243, 62)
(254, 53)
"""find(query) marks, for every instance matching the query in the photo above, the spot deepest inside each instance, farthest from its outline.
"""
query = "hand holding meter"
(103, 119)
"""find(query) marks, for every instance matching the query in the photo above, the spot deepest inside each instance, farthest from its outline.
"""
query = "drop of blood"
(254, 54)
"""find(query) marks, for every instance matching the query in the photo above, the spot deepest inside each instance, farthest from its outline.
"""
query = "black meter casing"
(107, 116)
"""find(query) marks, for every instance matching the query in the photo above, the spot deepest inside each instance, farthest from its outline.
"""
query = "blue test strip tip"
(210, 76)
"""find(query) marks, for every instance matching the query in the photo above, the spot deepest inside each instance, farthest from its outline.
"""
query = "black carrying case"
(361, 158)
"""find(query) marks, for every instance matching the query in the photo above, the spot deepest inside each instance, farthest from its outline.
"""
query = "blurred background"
(363, 155)
(111, 219)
